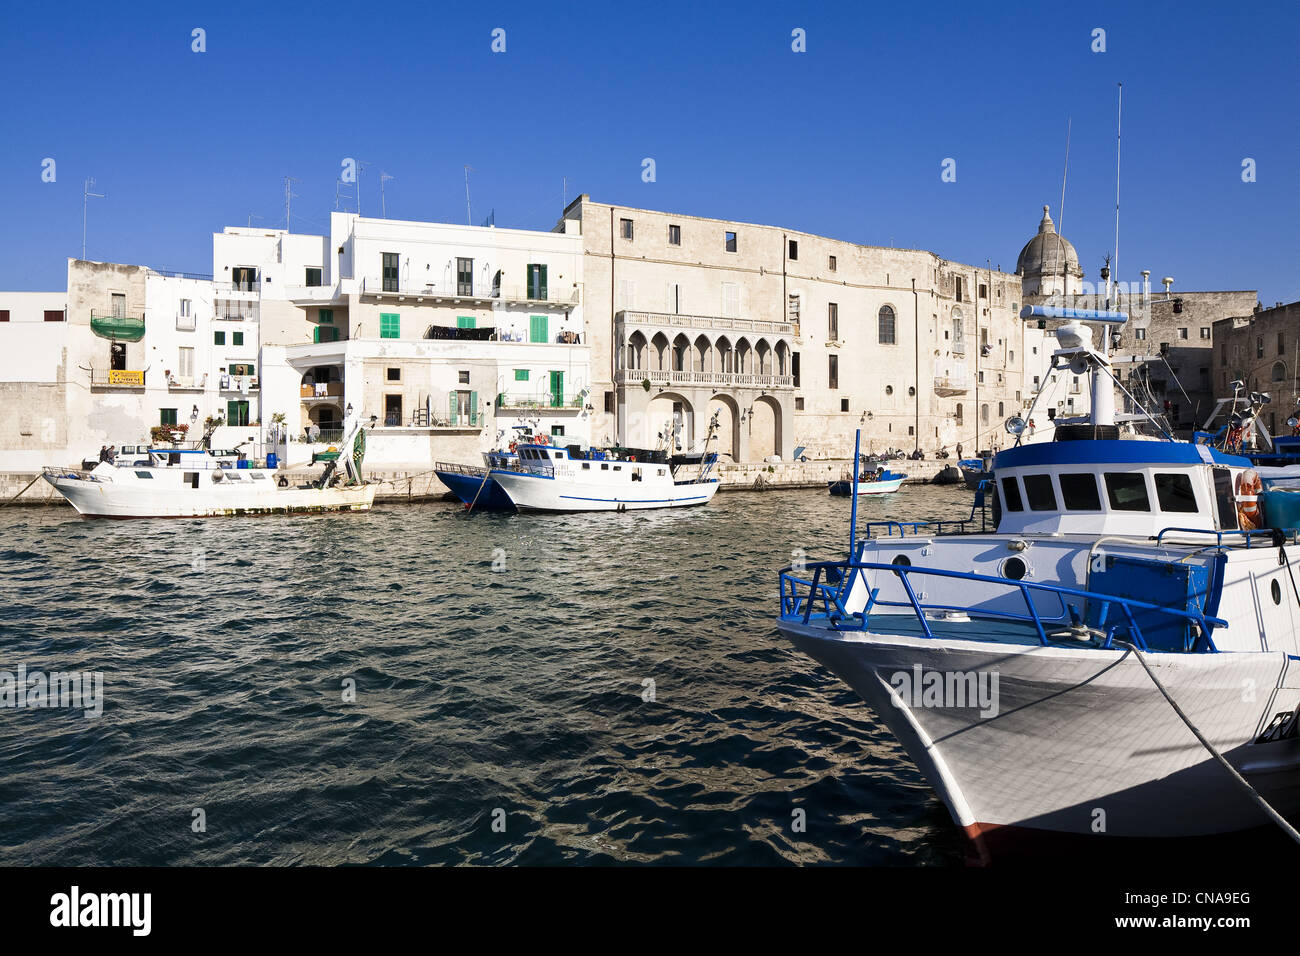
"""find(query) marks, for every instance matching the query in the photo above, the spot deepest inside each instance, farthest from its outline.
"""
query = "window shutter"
(452, 407)
(473, 408)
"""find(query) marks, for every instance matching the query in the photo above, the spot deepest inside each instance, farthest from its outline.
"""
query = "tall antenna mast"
(468, 218)
(289, 196)
(361, 165)
(383, 203)
(86, 196)
(1119, 116)
(1060, 213)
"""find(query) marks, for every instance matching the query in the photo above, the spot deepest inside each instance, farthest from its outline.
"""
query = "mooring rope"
(1254, 794)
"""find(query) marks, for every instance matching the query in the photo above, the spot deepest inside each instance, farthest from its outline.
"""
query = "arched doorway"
(670, 422)
(764, 428)
(727, 439)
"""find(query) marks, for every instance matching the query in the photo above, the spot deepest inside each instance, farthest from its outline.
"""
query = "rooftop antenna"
(86, 196)
(289, 196)
(1060, 213)
(383, 203)
(468, 218)
(564, 192)
(361, 165)
(251, 217)
(1118, 126)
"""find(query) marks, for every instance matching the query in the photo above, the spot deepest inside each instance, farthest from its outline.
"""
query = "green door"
(537, 330)
(557, 389)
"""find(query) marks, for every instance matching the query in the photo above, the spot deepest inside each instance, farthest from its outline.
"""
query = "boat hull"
(844, 489)
(542, 493)
(1081, 741)
(482, 492)
(107, 499)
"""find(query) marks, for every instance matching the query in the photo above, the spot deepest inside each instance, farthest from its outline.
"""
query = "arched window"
(984, 414)
(885, 325)
(1279, 372)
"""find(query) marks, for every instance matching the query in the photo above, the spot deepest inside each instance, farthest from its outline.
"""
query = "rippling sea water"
(227, 645)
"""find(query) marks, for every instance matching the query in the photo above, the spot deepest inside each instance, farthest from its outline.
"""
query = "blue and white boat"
(873, 481)
(1096, 663)
(547, 478)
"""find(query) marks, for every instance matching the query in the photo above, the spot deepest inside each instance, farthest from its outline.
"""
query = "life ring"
(1248, 488)
(282, 481)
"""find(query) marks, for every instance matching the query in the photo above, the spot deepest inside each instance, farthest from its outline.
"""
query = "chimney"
(1168, 283)
(1146, 285)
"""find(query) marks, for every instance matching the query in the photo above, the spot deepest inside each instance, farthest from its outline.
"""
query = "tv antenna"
(86, 196)
(469, 219)
(361, 165)
(289, 196)
(383, 204)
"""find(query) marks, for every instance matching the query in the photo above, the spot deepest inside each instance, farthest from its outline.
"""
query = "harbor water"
(419, 685)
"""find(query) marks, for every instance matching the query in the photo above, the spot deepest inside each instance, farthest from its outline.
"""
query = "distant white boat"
(196, 483)
(547, 478)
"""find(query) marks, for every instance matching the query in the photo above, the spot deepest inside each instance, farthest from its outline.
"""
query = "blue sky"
(845, 140)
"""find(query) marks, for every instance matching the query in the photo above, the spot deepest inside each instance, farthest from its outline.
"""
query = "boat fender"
(1248, 488)
(216, 476)
(282, 481)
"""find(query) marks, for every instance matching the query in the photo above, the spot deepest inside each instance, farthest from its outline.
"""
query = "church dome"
(1048, 253)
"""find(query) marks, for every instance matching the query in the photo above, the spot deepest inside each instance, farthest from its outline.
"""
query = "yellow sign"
(121, 377)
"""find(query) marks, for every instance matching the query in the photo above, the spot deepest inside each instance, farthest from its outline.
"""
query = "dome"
(1048, 253)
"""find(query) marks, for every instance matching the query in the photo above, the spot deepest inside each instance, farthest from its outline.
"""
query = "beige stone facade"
(793, 340)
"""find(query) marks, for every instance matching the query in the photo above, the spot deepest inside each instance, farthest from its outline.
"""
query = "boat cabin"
(1121, 487)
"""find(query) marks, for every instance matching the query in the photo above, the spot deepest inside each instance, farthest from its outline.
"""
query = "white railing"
(373, 285)
(669, 320)
(636, 376)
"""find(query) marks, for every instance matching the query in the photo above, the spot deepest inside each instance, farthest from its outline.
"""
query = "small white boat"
(547, 478)
(196, 483)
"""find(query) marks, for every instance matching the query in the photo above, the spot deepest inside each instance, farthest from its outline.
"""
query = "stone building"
(1261, 349)
(1161, 355)
(791, 339)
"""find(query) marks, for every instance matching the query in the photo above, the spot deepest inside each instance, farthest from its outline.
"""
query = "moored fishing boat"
(196, 483)
(871, 481)
(1029, 672)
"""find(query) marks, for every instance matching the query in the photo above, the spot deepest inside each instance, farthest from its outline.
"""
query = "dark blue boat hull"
(485, 496)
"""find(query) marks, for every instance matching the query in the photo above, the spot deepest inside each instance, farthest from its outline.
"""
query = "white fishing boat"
(1120, 656)
(196, 483)
(547, 478)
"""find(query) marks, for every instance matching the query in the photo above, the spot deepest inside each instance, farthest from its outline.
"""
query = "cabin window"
(1223, 495)
(1039, 491)
(1127, 492)
(604, 467)
(257, 476)
(662, 472)
(1079, 492)
(192, 479)
(1011, 492)
(586, 466)
(618, 467)
(636, 474)
(1174, 492)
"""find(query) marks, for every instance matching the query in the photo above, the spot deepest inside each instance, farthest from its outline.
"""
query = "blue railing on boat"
(1268, 533)
(830, 596)
(936, 524)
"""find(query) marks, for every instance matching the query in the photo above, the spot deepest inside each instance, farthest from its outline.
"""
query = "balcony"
(637, 376)
(946, 386)
(178, 383)
(246, 289)
(122, 328)
(323, 390)
(541, 400)
(467, 293)
(117, 378)
(665, 320)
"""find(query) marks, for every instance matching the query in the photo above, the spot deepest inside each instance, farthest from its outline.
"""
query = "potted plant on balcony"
(175, 434)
